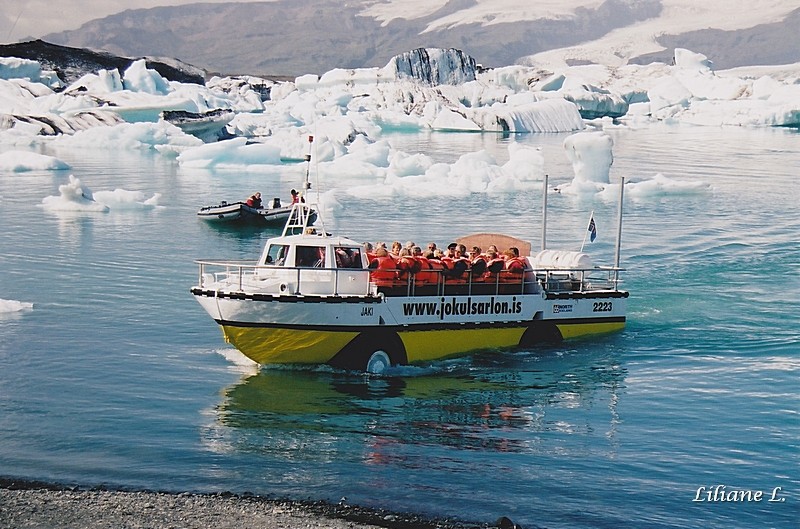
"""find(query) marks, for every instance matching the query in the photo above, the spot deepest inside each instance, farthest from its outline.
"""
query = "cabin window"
(276, 255)
(310, 256)
(348, 257)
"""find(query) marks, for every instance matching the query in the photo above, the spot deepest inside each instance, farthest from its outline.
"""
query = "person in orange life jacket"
(513, 263)
(254, 201)
(424, 274)
(395, 251)
(477, 263)
(384, 267)
(435, 264)
(494, 264)
(456, 264)
(407, 264)
(530, 276)
(522, 259)
(370, 251)
(449, 255)
(296, 197)
(461, 261)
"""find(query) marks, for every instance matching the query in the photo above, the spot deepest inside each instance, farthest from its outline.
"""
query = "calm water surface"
(117, 376)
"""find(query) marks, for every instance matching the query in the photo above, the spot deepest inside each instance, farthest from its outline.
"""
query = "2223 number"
(602, 306)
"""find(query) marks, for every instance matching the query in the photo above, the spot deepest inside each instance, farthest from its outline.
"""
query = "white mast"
(619, 232)
(544, 214)
(300, 214)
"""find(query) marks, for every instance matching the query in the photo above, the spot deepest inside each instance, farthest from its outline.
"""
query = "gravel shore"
(25, 505)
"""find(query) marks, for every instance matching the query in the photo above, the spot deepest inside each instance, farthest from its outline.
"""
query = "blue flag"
(592, 230)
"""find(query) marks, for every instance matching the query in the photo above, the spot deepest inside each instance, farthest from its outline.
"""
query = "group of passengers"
(455, 263)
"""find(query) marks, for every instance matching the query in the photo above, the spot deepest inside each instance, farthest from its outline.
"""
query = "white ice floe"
(74, 196)
(23, 161)
(10, 305)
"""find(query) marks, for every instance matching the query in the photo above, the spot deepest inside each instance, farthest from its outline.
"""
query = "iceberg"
(432, 89)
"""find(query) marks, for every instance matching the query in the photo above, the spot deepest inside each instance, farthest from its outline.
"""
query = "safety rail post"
(336, 282)
(619, 232)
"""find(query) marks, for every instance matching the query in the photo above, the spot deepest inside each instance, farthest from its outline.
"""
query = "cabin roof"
(503, 242)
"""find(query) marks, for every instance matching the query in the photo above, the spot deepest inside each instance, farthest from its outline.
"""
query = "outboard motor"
(276, 202)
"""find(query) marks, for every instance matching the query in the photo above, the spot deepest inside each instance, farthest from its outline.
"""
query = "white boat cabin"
(314, 250)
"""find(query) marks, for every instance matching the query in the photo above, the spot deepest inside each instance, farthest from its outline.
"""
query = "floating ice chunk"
(591, 155)
(124, 199)
(524, 163)
(689, 60)
(138, 78)
(404, 164)
(10, 305)
(21, 161)
(233, 153)
(131, 136)
(448, 119)
(73, 197)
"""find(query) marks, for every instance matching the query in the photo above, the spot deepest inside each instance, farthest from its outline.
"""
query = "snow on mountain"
(293, 37)
(675, 18)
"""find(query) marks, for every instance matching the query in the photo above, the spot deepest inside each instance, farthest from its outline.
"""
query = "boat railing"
(397, 282)
(249, 276)
(579, 279)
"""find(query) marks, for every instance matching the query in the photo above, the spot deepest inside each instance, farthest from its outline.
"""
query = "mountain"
(314, 36)
(70, 64)
(294, 37)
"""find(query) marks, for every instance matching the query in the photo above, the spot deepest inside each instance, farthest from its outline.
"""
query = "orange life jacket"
(383, 269)
(493, 268)
(425, 275)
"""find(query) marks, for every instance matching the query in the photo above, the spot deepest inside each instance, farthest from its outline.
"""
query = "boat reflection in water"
(518, 402)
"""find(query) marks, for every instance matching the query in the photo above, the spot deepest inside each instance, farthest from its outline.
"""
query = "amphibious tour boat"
(316, 298)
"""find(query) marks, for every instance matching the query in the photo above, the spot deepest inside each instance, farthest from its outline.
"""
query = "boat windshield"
(348, 257)
(276, 256)
(310, 256)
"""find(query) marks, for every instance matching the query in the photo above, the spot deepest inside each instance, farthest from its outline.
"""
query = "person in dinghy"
(254, 201)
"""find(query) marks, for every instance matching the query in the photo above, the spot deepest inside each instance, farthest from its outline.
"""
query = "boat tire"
(377, 363)
(542, 333)
(368, 350)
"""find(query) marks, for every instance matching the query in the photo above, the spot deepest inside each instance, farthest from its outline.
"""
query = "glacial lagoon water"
(116, 377)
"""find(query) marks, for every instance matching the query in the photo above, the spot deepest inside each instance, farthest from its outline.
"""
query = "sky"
(35, 18)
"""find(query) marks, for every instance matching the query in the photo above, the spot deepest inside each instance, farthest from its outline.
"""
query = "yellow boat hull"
(282, 345)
